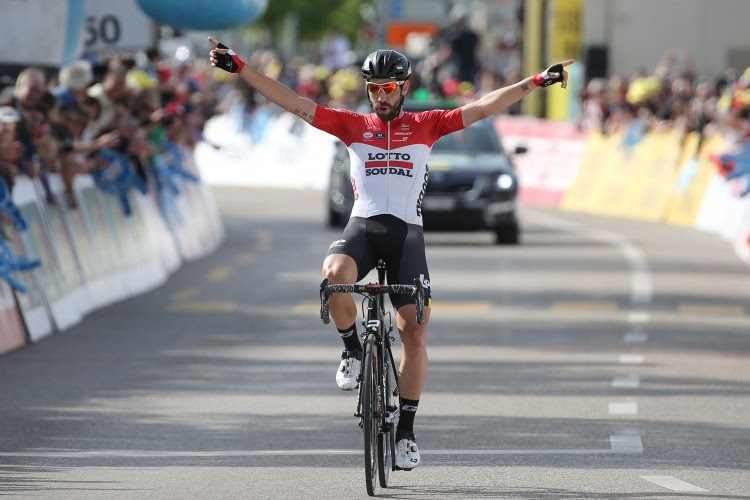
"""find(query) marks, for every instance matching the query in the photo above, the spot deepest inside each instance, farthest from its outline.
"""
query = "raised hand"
(225, 58)
(554, 74)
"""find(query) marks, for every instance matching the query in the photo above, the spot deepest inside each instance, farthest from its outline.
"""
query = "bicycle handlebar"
(416, 290)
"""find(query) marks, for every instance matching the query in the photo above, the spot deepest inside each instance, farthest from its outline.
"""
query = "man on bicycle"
(389, 151)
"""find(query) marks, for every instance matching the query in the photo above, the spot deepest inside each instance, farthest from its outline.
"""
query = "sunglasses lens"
(388, 88)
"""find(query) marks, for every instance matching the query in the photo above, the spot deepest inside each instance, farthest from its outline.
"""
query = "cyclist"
(389, 150)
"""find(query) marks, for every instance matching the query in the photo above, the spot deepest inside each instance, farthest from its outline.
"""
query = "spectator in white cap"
(75, 78)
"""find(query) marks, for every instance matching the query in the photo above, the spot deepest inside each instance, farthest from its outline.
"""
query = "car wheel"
(508, 234)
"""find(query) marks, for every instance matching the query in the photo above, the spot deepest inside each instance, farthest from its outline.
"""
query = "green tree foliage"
(316, 17)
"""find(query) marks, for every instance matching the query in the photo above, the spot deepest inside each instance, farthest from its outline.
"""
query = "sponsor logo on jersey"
(420, 198)
(379, 135)
(388, 164)
(388, 156)
(406, 172)
(367, 135)
(425, 282)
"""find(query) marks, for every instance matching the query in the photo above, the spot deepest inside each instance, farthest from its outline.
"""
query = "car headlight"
(504, 181)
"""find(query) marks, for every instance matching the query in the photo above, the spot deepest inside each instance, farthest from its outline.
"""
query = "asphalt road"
(600, 359)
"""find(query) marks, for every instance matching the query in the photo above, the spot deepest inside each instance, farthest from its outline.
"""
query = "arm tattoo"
(525, 87)
(304, 115)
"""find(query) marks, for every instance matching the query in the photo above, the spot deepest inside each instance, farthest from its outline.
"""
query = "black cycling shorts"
(386, 237)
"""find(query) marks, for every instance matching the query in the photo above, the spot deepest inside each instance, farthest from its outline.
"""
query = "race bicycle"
(378, 398)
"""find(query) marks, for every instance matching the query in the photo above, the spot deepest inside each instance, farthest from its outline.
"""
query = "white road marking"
(631, 381)
(627, 408)
(641, 287)
(733, 309)
(603, 451)
(635, 337)
(635, 317)
(626, 443)
(672, 483)
(175, 454)
(618, 445)
(631, 359)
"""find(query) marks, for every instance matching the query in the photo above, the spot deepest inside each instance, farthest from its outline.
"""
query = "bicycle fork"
(372, 330)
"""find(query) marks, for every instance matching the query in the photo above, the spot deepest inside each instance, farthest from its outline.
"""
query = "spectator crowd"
(78, 122)
(672, 96)
(139, 114)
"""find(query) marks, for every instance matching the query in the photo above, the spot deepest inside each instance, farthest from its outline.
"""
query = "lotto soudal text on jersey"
(388, 163)
(388, 160)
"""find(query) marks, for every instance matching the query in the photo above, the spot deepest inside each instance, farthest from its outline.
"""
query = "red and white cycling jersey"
(388, 160)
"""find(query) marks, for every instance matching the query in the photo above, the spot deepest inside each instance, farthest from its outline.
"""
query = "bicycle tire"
(370, 417)
(387, 438)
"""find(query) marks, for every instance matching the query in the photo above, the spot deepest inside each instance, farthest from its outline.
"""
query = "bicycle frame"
(375, 326)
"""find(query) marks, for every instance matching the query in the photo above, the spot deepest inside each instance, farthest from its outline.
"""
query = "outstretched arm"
(500, 99)
(278, 93)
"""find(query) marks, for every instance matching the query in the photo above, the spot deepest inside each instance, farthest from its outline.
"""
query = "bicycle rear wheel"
(370, 413)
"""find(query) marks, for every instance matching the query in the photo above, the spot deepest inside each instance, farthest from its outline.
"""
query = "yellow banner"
(563, 42)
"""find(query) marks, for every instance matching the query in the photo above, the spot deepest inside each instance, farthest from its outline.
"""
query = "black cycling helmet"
(386, 64)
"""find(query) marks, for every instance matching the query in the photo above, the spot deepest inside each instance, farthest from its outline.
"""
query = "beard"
(392, 112)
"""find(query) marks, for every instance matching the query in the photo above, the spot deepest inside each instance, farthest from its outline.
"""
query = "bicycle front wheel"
(389, 399)
(370, 413)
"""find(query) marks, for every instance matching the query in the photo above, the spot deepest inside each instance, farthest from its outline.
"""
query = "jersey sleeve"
(443, 122)
(337, 122)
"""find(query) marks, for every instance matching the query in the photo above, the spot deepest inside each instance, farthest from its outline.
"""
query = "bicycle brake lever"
(324, 306)
(419, 292)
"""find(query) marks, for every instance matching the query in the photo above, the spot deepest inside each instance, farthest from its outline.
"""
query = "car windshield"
(474, 139)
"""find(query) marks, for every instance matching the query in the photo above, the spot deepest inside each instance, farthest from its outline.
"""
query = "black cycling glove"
(543, 79)
(230, 61)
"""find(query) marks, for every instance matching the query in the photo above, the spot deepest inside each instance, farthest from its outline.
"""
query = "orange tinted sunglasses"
(387, 88)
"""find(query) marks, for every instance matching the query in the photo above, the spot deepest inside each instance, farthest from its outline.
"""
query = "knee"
(414, 338)
(336, 271)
